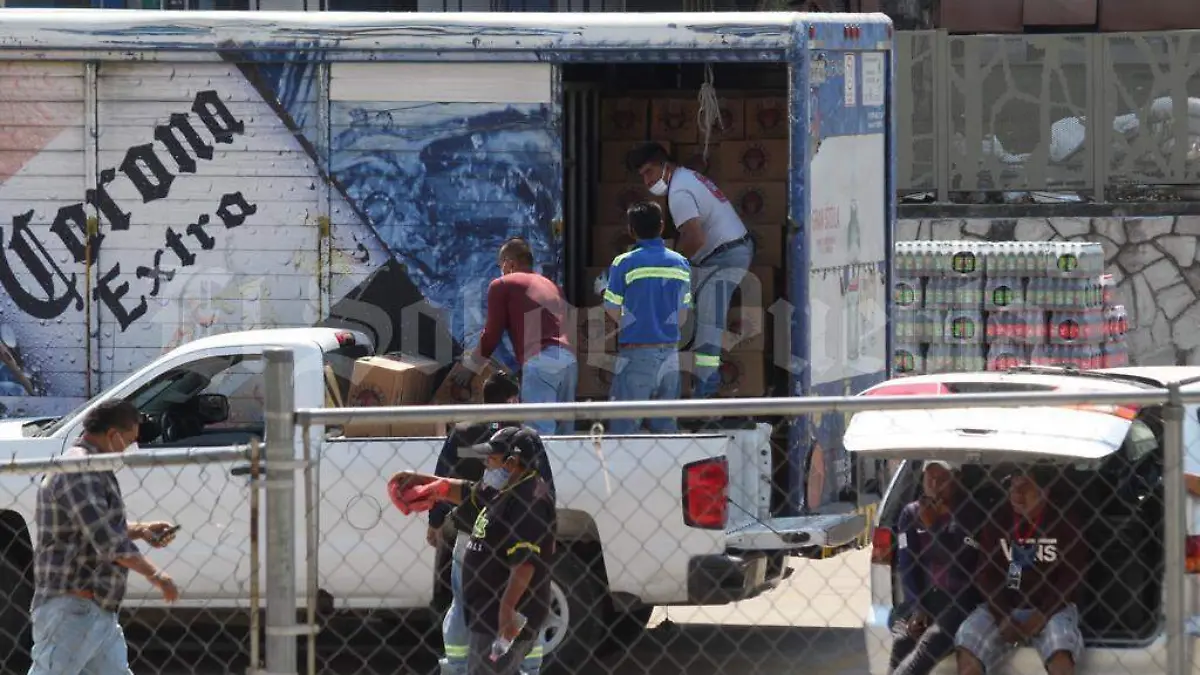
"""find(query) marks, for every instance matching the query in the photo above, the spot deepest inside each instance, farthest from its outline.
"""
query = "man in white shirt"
(713, 239)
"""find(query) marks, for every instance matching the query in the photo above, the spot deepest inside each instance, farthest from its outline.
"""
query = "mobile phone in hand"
(155, 538)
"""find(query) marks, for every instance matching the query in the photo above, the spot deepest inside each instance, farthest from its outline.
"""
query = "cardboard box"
(451, 394)
(768, 245)
(766, 117)
(743, 374)
(612, 162)
(674, 119)
(624, 118)
(391, 381)
(692, 157)
(757, 289)
(595, 379)
(733, 121)
(595, 334)
(755, 161)
(747, 330)
(759, 203)
(608, 242)
(614, 199)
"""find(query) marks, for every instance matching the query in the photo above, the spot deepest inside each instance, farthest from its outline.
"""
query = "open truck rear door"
(990, 435)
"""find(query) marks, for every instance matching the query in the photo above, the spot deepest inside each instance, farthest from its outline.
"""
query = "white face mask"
(660, 187)
(496, 478)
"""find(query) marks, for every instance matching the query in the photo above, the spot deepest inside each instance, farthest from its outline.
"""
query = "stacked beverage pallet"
(965, 306)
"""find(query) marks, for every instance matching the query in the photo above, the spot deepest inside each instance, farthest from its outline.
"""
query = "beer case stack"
(963, 306)
(747, 158)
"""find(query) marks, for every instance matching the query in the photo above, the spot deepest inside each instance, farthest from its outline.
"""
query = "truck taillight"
(706, 494)
(881, 546)
(345, 339)
(1191, 548)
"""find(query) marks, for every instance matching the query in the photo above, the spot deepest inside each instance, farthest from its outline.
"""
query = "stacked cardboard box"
(747, 157)
(971, 306)
(391, 381)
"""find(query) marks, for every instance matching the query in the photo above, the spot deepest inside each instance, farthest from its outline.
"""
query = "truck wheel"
(16, 634)
(627, 627)
(574, 627)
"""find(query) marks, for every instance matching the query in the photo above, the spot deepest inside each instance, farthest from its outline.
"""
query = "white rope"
(710, 108)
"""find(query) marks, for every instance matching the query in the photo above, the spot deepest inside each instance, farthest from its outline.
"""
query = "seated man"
(1029, 576)
(937, 559)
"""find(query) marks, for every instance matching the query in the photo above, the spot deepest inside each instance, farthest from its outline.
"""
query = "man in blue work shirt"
(649, 291)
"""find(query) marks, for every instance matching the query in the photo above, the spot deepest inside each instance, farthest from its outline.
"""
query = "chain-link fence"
(664, 552)
(213, 558)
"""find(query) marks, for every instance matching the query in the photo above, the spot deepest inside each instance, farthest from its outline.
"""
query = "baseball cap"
(468, 434)
(522, 442)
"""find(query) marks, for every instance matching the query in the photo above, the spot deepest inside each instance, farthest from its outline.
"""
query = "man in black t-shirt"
(506, 569)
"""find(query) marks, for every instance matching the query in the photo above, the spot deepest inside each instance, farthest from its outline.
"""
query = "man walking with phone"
(83, 554)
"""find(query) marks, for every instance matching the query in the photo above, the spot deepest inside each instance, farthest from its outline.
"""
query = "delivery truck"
(169, 176)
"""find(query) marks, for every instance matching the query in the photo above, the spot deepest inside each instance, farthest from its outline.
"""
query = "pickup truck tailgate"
(751, 527)
(834, 529)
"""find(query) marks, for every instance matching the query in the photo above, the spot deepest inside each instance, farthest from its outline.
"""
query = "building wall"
(1155, 261)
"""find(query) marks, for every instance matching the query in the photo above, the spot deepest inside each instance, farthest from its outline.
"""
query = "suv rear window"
(1119, 504)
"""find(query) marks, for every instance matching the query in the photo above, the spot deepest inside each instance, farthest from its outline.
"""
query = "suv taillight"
(706, 494)
(1191, 548)
(881, 546)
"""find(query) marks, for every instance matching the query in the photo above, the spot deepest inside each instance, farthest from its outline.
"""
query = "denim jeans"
(644, 374)
(550, 376)
(714, 283)
(73, 636)
(455, 636)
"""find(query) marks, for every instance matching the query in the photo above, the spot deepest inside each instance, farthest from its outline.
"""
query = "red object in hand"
(420, 498)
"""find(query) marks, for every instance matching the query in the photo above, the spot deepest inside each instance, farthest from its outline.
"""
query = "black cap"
(522, 442)
(472, 433)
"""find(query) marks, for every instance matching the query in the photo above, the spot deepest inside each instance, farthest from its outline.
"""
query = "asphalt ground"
(810, 625)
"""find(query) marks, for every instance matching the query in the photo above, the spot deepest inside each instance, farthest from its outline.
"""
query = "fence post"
(280, 526)
(1175, 522)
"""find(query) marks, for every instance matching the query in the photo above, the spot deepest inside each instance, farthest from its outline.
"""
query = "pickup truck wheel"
(573, 629)
(627, 627)
(16, 636)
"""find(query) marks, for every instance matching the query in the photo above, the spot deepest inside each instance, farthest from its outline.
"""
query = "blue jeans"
(455, 636)
(644, 374)
(714, 283)
(73, 636)
(550, 376)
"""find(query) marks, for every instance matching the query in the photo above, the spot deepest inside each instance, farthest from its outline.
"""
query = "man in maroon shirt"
(533, 310)
(1033, 557)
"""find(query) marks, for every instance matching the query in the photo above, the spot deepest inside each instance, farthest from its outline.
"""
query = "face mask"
(660, 187)
(496, 478)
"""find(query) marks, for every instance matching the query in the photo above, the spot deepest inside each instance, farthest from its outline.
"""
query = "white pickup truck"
(643, 520)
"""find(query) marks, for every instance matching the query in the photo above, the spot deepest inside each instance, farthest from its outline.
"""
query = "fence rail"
(1094, 114)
